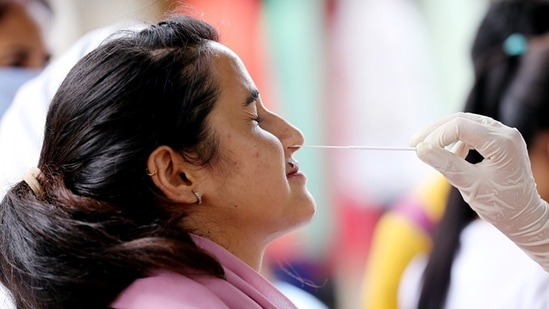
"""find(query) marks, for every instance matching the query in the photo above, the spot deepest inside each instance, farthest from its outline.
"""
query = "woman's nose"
(291, 136)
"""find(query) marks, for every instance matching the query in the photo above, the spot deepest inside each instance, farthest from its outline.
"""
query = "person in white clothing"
(23, 50)
(21, 128)
(482, 276)
(471, 261)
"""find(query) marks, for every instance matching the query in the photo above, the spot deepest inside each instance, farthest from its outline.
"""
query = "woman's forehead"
(229, 67)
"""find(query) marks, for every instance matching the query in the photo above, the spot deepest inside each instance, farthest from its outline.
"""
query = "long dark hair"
(101, 223)
(492, 95)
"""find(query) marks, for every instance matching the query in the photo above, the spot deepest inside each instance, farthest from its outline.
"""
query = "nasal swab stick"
(354, 147)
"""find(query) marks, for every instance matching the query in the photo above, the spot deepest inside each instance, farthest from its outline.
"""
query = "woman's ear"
(172, 175)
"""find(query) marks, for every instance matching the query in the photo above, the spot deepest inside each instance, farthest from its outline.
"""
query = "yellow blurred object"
(402, 232)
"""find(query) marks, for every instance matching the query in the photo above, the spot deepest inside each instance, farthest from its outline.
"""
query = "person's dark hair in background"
(504, 91)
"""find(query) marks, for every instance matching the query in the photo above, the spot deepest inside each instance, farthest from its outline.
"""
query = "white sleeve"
(410, 282)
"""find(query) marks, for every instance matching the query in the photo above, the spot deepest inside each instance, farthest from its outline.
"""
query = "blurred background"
(346, 72)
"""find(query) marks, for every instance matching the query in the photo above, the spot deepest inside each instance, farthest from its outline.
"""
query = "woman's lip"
(294, 169)
(295, 172)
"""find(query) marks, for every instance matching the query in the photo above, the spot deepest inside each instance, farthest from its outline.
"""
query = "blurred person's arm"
(400, 235)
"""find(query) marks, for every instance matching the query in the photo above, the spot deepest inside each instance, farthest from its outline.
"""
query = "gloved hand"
(501, 188)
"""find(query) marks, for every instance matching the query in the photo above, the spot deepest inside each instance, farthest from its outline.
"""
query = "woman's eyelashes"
(257, 119)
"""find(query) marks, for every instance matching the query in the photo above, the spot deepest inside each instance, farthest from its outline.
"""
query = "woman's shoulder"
(168, 290)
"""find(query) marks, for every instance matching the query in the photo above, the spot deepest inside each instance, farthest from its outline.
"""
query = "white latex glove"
(501, 188)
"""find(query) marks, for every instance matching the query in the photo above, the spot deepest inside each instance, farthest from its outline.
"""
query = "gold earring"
(153, 173)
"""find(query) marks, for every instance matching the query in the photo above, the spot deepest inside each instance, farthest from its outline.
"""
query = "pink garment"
(243, 288)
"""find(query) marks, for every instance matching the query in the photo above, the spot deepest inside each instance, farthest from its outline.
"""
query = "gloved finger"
(421, 134)
(487, 136)
(457, 129)
(458, 122)
(452, 166)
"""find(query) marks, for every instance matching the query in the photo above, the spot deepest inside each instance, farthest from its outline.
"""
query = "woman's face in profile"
(21, 43)
(256, 186)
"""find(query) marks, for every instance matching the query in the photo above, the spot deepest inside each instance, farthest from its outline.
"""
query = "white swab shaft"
(353, 147)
